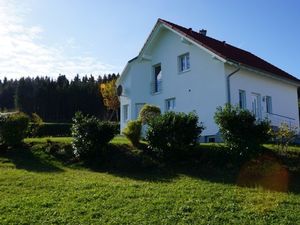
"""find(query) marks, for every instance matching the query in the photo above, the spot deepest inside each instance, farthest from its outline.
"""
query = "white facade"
(284, 98)
(202, 87)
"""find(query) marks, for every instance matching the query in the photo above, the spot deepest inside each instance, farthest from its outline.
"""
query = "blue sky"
(48, 37)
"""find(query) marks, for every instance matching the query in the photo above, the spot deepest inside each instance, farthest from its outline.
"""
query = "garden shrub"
(133, 132)
(36, 122)
(284, 135)
(240, 129)
(13, 128)
(173, 132)
(148, 112)
(116, 126)
(90, 135)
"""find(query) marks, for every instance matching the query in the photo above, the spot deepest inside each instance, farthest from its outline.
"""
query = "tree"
(110, 99)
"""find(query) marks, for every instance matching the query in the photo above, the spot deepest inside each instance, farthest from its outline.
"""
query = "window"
(242, 99)
(269, 104)
(125, 113)
(170, 104)
(138, 107)
(157, 78)
(184, 62)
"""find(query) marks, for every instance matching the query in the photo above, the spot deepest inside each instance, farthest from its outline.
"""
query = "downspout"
(228, 84)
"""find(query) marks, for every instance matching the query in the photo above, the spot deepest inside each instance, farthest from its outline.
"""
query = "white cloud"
(22, 54)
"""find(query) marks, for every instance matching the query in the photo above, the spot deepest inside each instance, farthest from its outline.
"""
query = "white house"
(183, 70)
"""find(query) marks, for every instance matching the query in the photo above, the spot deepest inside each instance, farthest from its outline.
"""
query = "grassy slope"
(35, 188)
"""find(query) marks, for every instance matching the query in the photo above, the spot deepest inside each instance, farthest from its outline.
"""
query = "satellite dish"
(119, 90)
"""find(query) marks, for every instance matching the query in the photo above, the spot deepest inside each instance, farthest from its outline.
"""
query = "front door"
(256, 105)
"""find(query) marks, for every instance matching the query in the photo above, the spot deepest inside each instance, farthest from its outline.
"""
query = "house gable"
(219, 50)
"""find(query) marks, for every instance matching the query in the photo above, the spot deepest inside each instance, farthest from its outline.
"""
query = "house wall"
(284, 95)
(201, 89)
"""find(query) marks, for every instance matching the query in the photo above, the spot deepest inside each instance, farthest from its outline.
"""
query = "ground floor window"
(138, 107)
(170, 104)
(242, 99)
(269, 104)
(125, 113)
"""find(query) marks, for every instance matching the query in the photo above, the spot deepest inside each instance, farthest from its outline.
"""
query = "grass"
(37, 188)
(52, 139)
(116, 140)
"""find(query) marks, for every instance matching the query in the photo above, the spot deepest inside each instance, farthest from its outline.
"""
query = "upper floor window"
(184, 62)
(269, 104)
(157, 78)
(242, 99)
(170, 104)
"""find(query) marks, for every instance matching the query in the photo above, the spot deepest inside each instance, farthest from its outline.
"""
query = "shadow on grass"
(208, 162)
(123, 160)
(25, 158)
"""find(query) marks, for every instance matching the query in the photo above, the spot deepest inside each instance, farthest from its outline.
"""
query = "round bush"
(173, 132)
(90, 135)
(13, 128)
(133, 132)
(148, 112)
(240, 130)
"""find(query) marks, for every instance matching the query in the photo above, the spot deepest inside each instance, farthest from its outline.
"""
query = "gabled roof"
(229, 52)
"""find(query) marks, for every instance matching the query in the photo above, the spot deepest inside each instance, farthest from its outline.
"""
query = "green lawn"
(116, 140)
(36, 188)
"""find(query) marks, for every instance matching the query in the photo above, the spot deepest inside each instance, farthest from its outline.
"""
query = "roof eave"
(124, 72)
(264, 73)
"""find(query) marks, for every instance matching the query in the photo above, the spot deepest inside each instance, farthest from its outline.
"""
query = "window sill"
(185, 71)
(156, 93)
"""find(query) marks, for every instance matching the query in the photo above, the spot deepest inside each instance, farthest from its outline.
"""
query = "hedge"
(54, 129)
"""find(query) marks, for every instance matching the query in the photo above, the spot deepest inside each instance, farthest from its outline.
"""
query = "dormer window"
(184, 62)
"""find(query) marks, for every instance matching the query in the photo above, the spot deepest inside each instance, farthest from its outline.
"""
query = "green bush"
(173, 132)
(148, 112)
(284, 135)
(240, 129)
(13, 128)
(90, 135)
(133, 132)
(116, 126)
(35, 124)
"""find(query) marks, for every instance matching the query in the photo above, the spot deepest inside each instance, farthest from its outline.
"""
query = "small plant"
(173, 132)
(148, 112)
(284, 136)
(90, 135)
(133, 132)
(13, 128)
(240, 130)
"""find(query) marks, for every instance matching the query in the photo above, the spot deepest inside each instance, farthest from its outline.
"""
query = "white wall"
(284, 95)
(201, 89)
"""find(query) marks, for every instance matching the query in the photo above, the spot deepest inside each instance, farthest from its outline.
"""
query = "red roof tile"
(230, 52)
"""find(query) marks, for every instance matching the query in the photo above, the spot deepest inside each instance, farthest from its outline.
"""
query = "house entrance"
(256, 105)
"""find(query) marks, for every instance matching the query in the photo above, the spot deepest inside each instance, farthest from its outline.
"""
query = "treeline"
(55, 100)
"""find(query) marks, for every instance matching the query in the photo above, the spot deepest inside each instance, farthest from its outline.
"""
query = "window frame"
(187, 62)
